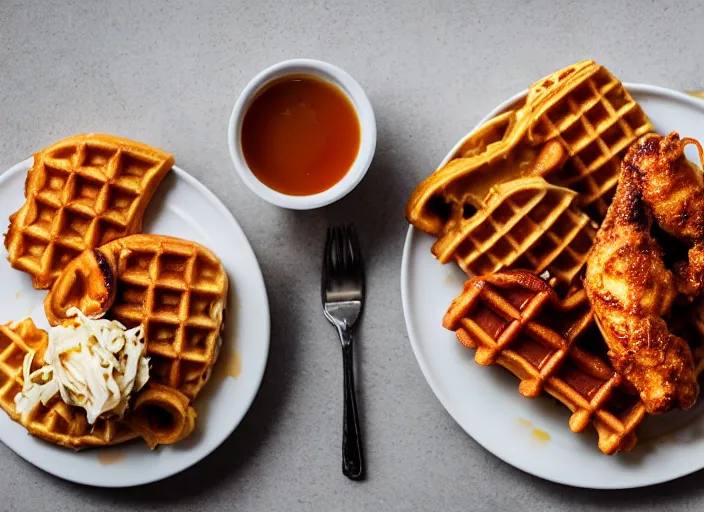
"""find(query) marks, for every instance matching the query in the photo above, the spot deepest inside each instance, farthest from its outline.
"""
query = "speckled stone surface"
(170, 75)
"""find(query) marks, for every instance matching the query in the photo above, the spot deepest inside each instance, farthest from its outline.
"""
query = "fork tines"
(342, 259)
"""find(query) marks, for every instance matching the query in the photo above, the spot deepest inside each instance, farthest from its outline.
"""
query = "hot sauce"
(300, 135)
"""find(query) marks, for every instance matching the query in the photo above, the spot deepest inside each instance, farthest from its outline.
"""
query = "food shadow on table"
(666, 494)
(375, 206)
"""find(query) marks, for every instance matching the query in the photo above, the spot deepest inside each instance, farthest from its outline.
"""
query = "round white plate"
(486, 402)
(184, 208)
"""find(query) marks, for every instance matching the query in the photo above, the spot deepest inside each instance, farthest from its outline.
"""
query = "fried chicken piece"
(631, 291)
(673, 188)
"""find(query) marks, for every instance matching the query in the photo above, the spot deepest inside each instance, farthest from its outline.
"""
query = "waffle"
(56, 422)
(174, 421)
(526, 223)
(516, 320)
(176, 289)
(81, 193)
(573, 129)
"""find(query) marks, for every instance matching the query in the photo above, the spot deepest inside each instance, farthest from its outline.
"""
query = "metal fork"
(342, 291)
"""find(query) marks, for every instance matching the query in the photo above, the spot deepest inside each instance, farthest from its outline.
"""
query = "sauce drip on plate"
(540, 435)
(300, 135)
(234, 366)
(110, 456)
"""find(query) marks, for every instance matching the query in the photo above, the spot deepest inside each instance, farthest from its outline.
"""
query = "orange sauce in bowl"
(300, 135)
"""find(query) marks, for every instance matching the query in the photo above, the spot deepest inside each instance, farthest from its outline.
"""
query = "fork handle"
(352, 456)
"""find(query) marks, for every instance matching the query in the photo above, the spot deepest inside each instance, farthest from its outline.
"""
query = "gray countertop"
(170, 75)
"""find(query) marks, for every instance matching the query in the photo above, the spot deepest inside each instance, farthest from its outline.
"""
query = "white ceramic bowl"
(361, 104)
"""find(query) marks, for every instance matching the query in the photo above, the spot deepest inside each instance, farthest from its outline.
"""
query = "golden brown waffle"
(175, 288)
(515, 319)
(174, 421)
(56, 422)
(526, 223)
(81, 193)
(573, 129)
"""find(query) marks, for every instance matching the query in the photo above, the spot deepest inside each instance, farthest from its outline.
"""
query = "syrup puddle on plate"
(523, 422)
(540, 435)
(227, 365)
(108, 457)
(536, 434)
(18, 295)
(234, 366)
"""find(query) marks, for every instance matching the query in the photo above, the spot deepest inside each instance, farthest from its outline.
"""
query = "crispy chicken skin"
(629, 287)
(673, 188)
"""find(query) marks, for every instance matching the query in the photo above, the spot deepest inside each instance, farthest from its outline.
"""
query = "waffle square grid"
(81, 193)
(516, 320)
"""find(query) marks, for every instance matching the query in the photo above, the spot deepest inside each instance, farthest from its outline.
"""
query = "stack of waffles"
(78, 234)
(518, 205)
(521, 189)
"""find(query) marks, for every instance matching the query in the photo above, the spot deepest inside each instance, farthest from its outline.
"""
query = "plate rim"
(257, 376)
(494, 448)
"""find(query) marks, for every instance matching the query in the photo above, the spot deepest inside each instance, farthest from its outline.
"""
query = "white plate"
(485, 401)
(182, 207)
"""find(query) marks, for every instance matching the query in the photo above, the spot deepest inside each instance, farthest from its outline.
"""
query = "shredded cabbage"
(95, 364)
